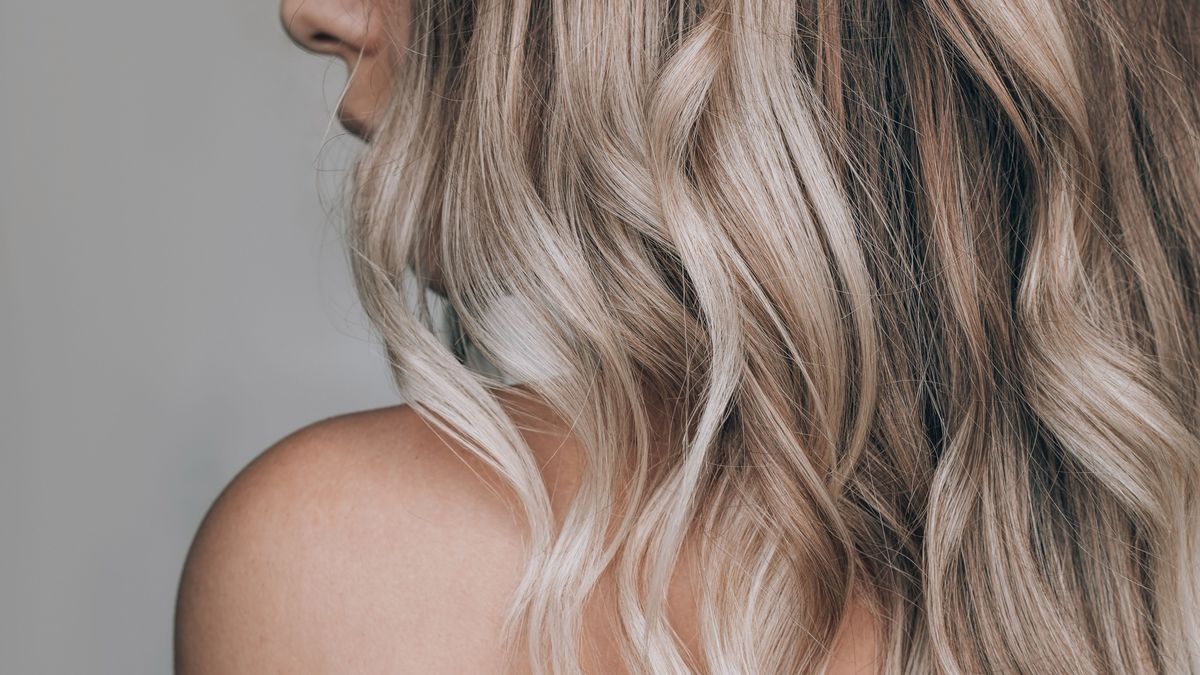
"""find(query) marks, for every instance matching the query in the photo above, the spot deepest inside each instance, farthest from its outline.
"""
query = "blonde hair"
(917, 282)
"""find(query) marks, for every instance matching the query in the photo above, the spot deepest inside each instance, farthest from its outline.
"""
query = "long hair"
(916, 281)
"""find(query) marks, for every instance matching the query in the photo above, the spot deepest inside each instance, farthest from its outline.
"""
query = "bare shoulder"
(371, 543)
(362, 542)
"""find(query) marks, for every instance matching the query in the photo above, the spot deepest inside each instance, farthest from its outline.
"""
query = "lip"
(354, 124)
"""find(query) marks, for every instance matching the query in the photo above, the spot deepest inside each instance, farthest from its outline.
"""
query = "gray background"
(173, 299)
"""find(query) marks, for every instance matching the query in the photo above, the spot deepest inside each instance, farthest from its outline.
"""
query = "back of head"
(915, 281)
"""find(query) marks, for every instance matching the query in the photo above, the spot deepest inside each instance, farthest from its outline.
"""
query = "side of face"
(356, 31)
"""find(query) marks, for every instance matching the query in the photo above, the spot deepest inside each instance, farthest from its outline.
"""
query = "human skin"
(370, 542)
(361, 35)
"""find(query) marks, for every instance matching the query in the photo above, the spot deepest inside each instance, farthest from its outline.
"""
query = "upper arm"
(350, 545)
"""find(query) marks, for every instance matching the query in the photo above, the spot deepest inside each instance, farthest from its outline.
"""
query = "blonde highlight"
(917, 283)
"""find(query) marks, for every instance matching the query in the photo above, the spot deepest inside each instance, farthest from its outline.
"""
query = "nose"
(336, 27)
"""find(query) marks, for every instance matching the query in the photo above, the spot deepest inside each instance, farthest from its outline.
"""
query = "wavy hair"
(916, 282)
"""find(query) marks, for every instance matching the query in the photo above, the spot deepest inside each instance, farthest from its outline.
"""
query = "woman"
(837, 336)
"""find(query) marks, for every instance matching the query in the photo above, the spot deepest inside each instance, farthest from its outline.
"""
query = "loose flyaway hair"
(916, 283)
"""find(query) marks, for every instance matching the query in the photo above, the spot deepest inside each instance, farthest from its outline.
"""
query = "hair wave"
(917, 283)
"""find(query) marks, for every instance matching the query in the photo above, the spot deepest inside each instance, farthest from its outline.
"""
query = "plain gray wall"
(173, 299)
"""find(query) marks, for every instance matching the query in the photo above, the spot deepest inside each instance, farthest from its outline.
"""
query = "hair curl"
(917, 282)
